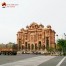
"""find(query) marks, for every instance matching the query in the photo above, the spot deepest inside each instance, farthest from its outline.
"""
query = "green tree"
(14, 46)
(61, 43)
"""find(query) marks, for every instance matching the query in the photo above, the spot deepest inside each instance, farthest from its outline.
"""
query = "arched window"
(35, 46)
(39, 45)
(47, 42)
(25, 45)
(32, 46)
(28, 46)
(22, 47)
(19, 44)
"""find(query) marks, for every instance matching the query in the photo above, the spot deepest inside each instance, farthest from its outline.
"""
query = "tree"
(14, 46)
(61, 43)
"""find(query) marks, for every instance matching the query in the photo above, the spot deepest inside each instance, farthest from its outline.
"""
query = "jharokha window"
(40, 36)
(35, 38)
(25, 37)
(32, 38)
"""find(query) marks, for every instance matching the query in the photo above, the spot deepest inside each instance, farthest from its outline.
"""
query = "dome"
(27, 26)
(22, 29)
(41, 25)
(48, 26)
(34, 23)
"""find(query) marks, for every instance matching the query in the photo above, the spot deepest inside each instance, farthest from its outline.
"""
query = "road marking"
(61, 62)
(34, 61)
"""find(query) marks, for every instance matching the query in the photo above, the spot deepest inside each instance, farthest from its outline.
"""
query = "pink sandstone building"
(35, 38)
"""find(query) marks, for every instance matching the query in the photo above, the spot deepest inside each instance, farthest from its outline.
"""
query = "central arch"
(39, 45)
(32, 46)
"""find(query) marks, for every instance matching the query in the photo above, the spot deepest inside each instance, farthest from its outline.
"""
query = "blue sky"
(47, 12)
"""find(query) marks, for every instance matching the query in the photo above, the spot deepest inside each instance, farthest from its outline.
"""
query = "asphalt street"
(63, 63)
(12, 58)
(32, 60)
(53, 61)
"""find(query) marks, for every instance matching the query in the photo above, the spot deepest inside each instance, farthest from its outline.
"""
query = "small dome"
(41, 25)
(27, 26)
(22, 29)
(48, 26)
(34, 23)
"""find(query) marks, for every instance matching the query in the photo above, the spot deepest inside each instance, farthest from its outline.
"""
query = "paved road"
(32, 60)
(63, 63)
(52, 62)
(12, 58)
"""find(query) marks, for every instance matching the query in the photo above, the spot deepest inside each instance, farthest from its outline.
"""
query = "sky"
(46, 12)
